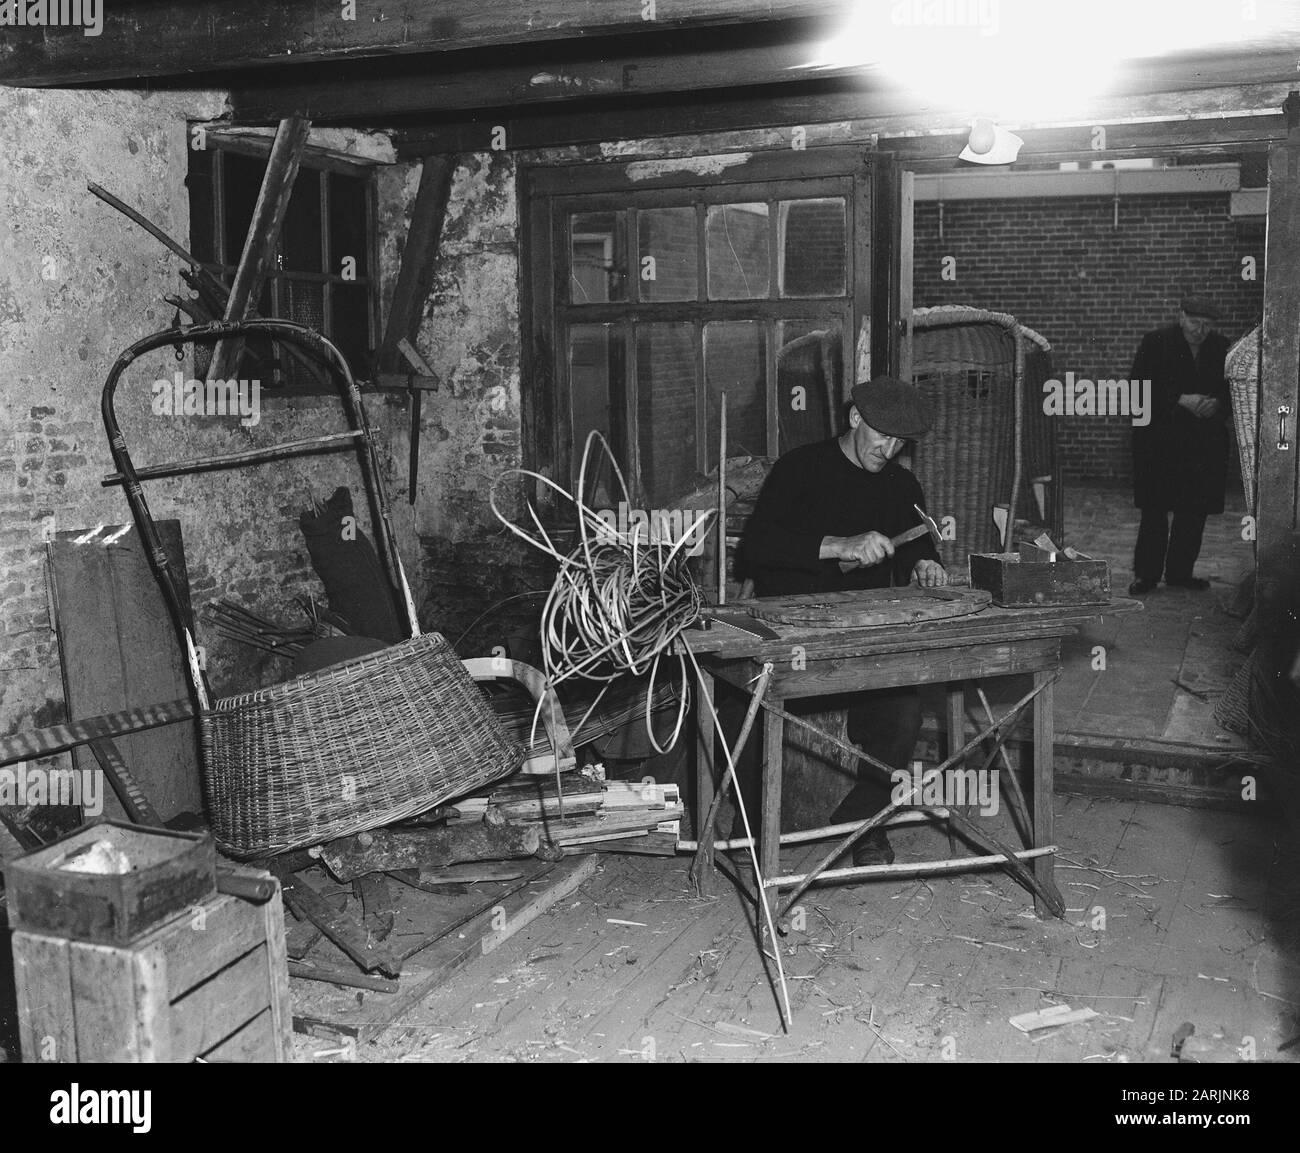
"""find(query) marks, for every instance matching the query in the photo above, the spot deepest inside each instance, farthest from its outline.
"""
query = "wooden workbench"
(811, 662)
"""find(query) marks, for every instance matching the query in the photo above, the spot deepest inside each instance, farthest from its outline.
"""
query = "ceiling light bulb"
(982, 136)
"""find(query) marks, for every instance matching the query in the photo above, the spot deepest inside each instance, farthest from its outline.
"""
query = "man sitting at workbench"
(823, 523)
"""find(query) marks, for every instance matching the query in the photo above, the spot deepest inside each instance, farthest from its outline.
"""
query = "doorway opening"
(1092, 257)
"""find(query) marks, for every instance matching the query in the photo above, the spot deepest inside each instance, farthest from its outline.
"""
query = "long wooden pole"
(763, 902)
(912, 868)
(263, 236)
(60, 738)
(326, 442)
(151, 228)
(722, 503)
(419, 258)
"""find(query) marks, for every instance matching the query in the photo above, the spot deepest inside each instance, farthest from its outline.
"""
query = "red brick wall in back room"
(1061, 266)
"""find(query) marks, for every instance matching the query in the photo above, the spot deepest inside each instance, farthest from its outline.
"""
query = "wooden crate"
(212, 982)
(170, 872)
(1017, 582)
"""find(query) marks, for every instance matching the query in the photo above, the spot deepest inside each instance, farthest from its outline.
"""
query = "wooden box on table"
(1029, 579)
(212, 983)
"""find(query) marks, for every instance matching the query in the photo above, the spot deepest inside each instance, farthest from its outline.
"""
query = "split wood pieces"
(1054, 1015)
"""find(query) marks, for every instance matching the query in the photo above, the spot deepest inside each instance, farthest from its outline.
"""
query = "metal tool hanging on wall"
(414, 282)
(420, 365)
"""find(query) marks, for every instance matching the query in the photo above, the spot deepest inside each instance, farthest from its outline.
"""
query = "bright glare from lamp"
(1025, 60)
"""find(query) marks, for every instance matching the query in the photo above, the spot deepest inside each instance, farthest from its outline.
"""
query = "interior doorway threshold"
(1151, 769)
(1138, 768)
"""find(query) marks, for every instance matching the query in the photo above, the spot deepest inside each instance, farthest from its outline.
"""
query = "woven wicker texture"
(1242, 369)
(350, 747)
(353, 747)
(1232, 710)
(975, 367)
(965, 367)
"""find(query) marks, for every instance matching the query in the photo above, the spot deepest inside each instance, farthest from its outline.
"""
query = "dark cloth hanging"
(348, 566)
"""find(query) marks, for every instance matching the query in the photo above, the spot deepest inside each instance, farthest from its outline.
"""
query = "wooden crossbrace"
(705, 833)
(1017, 796)
(1046, 891)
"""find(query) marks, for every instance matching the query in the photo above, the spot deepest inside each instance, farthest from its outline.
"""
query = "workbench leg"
(1044, 781)
(955, 726)
(769, 860)
(705, 743)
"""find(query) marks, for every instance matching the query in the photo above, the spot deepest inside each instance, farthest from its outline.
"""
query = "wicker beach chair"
(353, 746)
(1242, 369)
(992, 445)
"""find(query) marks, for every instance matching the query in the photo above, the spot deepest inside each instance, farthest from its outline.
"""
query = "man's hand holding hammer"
(865, 549)
(871, 548)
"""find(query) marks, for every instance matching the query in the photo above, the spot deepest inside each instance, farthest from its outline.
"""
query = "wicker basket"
(1242, 370)
(991, 440)
(355, 746)
(351, 747)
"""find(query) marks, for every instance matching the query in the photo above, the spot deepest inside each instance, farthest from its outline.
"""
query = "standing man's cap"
(894, 408)
(1200, 306)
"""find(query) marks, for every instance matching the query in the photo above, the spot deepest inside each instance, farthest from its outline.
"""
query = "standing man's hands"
(930, 574)
(1199, 404)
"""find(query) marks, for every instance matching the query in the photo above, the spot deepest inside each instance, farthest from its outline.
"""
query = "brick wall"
(1092, 288)
(470, 427)
(78, 283)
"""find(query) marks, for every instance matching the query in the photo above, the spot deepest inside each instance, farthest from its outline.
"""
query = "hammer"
(927, 525)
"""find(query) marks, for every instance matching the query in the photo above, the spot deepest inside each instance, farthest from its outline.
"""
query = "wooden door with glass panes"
(660, 300)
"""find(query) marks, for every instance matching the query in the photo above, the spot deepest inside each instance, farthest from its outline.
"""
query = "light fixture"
(1028, 61)
(989, 144)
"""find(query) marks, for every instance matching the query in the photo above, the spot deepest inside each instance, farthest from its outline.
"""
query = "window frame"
(324, 162)
(550, 193)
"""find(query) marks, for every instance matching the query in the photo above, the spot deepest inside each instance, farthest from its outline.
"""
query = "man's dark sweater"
(814, 492)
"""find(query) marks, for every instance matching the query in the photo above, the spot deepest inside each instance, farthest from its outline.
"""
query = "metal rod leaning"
(705, 832)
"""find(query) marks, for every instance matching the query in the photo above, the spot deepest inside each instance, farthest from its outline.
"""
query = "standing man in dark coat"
(1180, 459)
(824, 523)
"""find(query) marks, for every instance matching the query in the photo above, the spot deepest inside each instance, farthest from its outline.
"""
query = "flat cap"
(1195, 305)
(893, 407)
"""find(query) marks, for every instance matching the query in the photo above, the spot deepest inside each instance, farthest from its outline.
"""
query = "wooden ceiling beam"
(405, 89)
(157, 38)
(1226, 136)
(1183, 119)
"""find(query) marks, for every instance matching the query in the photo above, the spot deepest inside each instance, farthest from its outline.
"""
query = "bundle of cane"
(620, 599)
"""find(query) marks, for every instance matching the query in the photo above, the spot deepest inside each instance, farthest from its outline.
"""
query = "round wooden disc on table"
(861, 608)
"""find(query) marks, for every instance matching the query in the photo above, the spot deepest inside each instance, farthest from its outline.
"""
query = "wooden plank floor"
(1179, 637)
(1165, 926)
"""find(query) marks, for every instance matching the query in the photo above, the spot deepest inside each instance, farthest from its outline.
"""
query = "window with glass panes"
(666, 300)
(323, 272)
